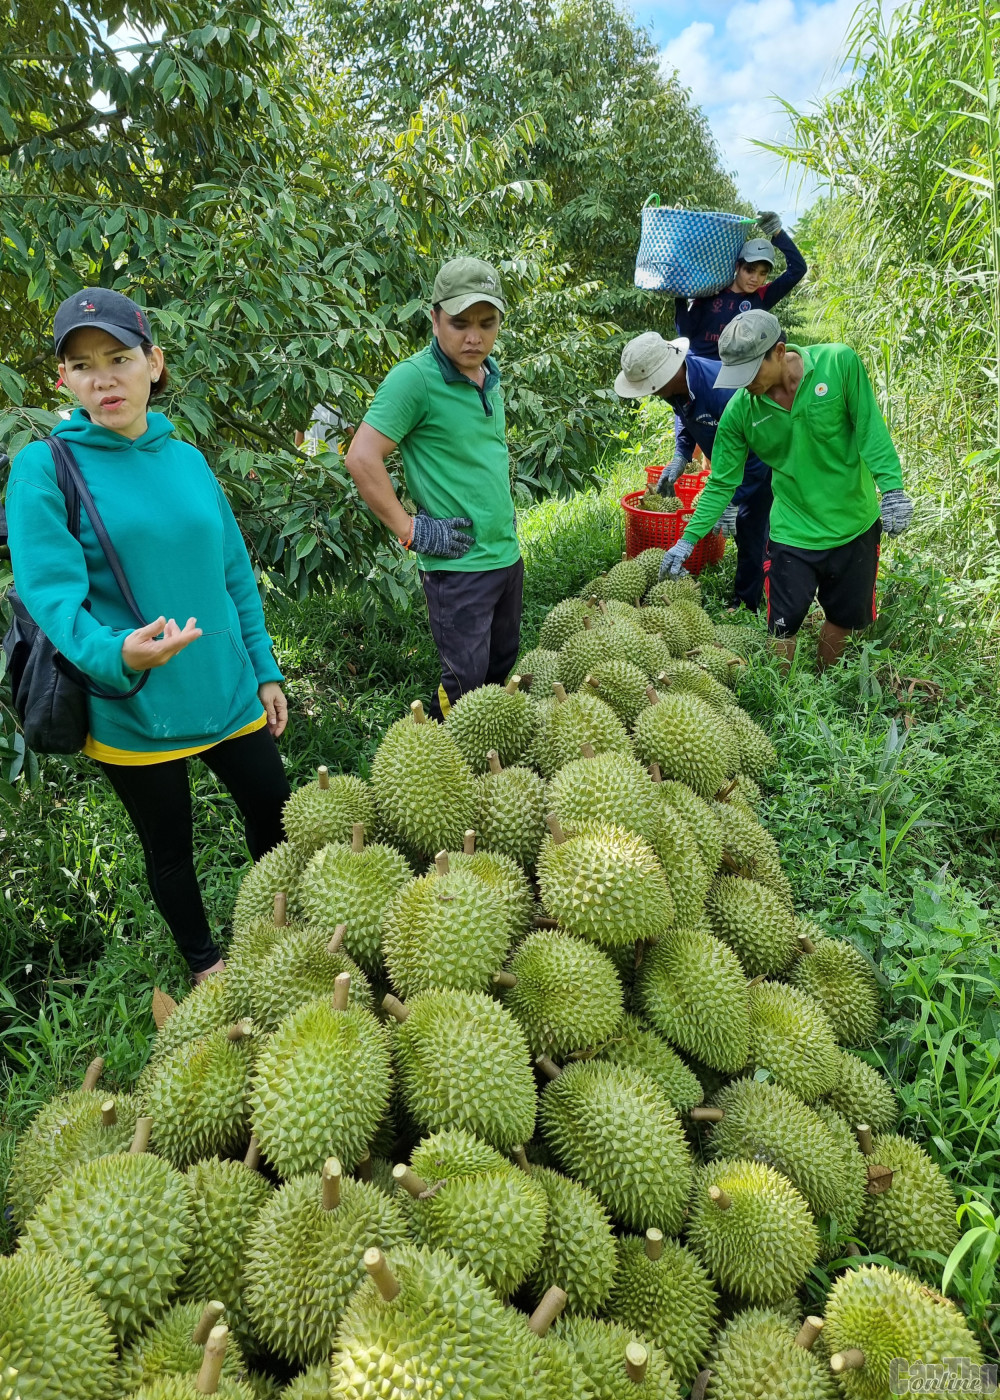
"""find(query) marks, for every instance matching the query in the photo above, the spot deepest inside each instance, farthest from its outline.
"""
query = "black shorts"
(843, 579)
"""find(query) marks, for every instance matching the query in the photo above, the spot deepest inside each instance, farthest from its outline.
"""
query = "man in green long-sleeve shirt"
(811, 414)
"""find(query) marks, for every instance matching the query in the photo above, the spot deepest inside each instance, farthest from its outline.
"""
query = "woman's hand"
(145, 648)
(272, 697)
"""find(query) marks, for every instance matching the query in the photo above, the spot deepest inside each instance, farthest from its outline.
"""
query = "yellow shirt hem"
(133, 758)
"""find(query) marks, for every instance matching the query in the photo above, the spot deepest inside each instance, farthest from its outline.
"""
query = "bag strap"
(651, 199)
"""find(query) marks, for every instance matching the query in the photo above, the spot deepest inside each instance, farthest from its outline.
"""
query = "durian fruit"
(448, 929)
(588, 649)
(751, 851)
(744, 641)
(513, 806)
(840, 978)
(303, 965)
(607, 787)
(613, 1128)
(425, 791)
(626, 581)
(326, 810)
(352, 885)
(689, 741)
(863, 1095)
(311, 1384)
(250, 948)
(568, 721)
(579, 1246)
(667, 591)
(566, 996)
(54, 1334)
(791, 1038)
(277, 872)
(204, 1009)
(634, 1045)
(665, 1293)
(616, 1361)
(651, 559)
(874, 1315)
(537, 669)
(756, 924)
(699, 816)
(697, 623)
(209, 1379)
(911, 1210)
(226, 1197)
(769, 1124)
(321, 1085)
(196, 1096)
(691, 988)
(561, 622)
(842, 1221)
(761, 1352)
(752, 1230)
(758, 756)
(596, 589)
(457, 1190)
(304, 1258)
(502, 874)
(688, 877)
(622, 685)
(720, 663)
(126, 1222)
(463, 1062)
(746, 791)
(175, 1345)
(492, 717)
(604, 883)
(652, 619)
(683, 677)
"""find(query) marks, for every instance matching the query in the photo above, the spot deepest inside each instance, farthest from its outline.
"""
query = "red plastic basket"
(655, 529)
(653, 475)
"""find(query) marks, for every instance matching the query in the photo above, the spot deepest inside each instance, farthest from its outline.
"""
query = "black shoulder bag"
(49, 693)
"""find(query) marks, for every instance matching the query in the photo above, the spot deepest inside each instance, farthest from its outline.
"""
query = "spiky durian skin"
(585, 650)
(700, 627)
(751, 850)
(166, 1348)
(758, 756)
(463, 1062)
(688, 739)
(304, 1262)
(599, 1350)
(312, 1384)
(579, 719)
(578, 1252)
(335, 1068)
(667, 591)
(622, 685)
(744, 641)
(763, 1245)
(756, 924)
(756, 1354)
(839, 977)
(126, 1221)
(769, 1124)
(650, 559)
(64, 1132)
(671, 1300)
(568, 995)
(841, 1223)
(170, 1387)
(315, 816)
(721, 664)
(250, 948)
(611, 787)
(513, 807)
(916, 1213)
(691, 988)
(492, 717)
(560, 622)
(791, 1038)
(300, 968)
(613, 1128)
(196, 1097)
(425, 791)
(627, 581)
(688, 877)
(605, 884)
(204, 1009)
(478, 1189)
(341, 886)
(225, 1199)
(888, 1315)
(687, 678)
(53, 1332)
(543, 668)
(277, 872)
(445, 931)
(863, 1095)
(505, 877)
(643, 1049)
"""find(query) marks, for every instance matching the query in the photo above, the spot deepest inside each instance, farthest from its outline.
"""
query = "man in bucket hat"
(668, 370)
(811, 413)
(443, 409)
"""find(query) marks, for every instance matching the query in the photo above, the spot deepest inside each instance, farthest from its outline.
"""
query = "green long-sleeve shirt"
(826, 454)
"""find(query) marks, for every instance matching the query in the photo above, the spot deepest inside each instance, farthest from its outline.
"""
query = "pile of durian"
(524, 1081)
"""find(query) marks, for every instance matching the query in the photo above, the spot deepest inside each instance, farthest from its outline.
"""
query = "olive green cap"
(464, 281)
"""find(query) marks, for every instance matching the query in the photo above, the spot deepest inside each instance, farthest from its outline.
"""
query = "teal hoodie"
(183, 556)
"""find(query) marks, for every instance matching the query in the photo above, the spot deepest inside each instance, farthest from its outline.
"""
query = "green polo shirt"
(826, 454)
(452, 439)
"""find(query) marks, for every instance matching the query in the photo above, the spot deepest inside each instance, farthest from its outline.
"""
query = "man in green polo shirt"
(811, 414)
(443, 409)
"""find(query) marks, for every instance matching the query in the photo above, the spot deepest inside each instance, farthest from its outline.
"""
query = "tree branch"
(94, 119)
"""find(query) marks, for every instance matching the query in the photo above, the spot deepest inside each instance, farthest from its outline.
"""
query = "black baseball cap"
(109, 311)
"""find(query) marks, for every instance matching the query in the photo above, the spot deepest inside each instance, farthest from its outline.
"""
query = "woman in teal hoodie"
(214, 688)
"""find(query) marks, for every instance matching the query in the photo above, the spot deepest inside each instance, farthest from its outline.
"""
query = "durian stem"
(406, 1177)
(469, 843)
(806, 945)
(504, 979)
(730, 863)
(363, 1171)
(109, 1114)
(358, 837)
(494, 761)
(654, 1243)
(588, 751)
(588, 622)
(527, 681)
(542, 921)
(808, 1333)
(591, 682)
(651, 695)
(547, 1311)
(521, 1158)
(655, 773)
(323, 777)
(719, 1198)
(240, 1031)
(513, 685)
(864, 1134)
(701, 1381)
(851, 1360)
(341, 991)
(701, 1114)
(207, 1382)
(382, 1274)
(726, 792)
(636, 1361)
(664, 680)
(559, 691)
(555, 826)
(395, 1007)
(210, 1315)
(280, 909)
(332, 1173)
(602, 607)
(879, 1179)
(441, 863)
(417, 711)
(337, 941)
(593, 600)
(548, 1067)
(140, 1138)
(252, 1158)
(94, 1071)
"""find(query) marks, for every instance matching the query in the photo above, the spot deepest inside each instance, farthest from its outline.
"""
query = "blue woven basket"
(688, 252)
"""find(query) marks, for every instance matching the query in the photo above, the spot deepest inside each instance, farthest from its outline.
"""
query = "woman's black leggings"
(157, 797)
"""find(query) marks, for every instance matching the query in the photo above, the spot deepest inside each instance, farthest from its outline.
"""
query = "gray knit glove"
(770, 222)
(726, 525)
(673, 559)
(442, 538)
(897, 512)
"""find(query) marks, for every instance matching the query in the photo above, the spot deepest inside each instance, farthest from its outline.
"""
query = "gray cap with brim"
(743, 345)
(462, 282)
(648, 363)
(756, 250)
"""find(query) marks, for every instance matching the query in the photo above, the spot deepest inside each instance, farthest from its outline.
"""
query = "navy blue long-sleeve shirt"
(699, 413)
(704, 320)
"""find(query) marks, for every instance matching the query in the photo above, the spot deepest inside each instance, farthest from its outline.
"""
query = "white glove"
(726, 525)
(897, 512)
(673, 559)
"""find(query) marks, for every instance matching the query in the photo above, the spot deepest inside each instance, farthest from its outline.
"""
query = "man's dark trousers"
(476, 623)
(753, 519)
